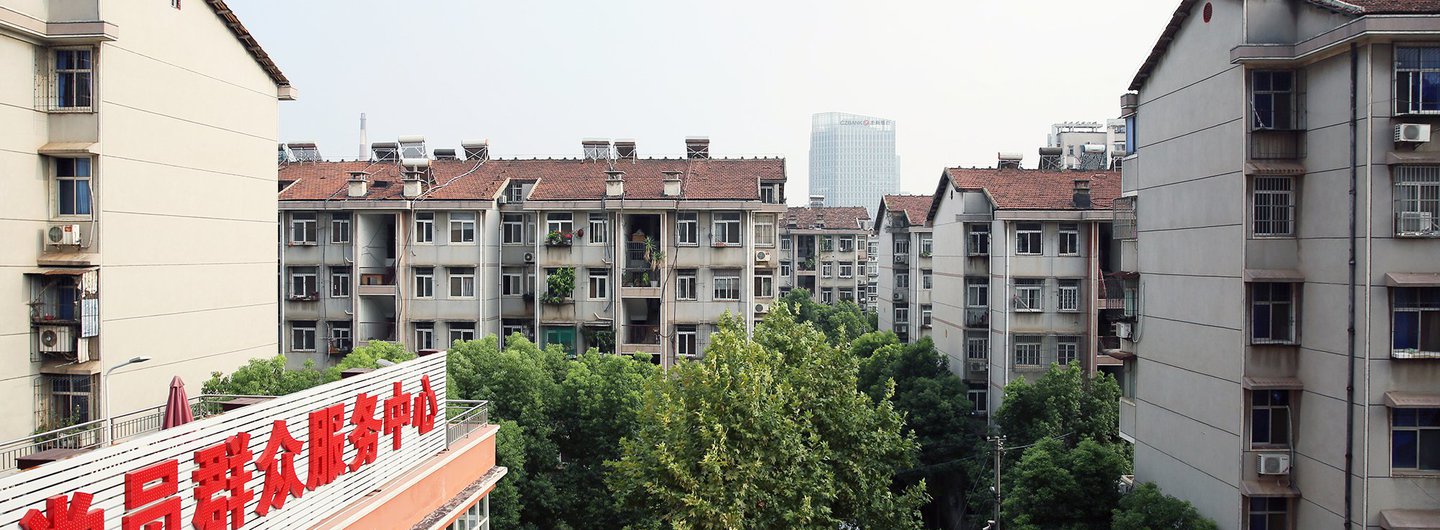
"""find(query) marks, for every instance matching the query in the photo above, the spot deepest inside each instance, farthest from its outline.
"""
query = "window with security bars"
(1027, 350)
(1069, 299)
(1417, 80)
(1274, 201)
(977, 345)
(1417, 200)
(1272, 313)
(1027, 295)
(65, 400)
(1067, 350)
(1124, 227)
(73, 85)
(1415, 322)
(978, 239)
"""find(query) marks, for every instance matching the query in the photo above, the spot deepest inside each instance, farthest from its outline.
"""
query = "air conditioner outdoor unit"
(1124, 330)
(1412, 133)
(56, 339)
(761, 255)
(1416, 223)
(63, 234)
(529, 257)
(1274, 464)
(761, 309)
(976, 367)
(899, 295)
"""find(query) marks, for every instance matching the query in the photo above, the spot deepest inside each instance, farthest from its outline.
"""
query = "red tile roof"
(1375, 7)
(1033, 189)
(834, 217)
(555, 179)
(916, 207)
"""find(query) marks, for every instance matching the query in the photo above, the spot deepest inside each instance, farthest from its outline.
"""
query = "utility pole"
(999, 442)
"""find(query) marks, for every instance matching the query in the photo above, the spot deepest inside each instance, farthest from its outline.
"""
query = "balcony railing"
(977, 317)
(377, 276)
(54, 312)
(464, 416)
(642, 334)
(640, 278)
(1277, 144)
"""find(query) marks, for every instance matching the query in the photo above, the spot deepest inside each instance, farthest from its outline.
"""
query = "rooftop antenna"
(364, 152)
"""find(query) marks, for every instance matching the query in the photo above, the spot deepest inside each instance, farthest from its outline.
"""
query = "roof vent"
(305, 151)
(385, 151)
(476, 149)
(672, 183)
(412, 147)
(1052, 158)
(625, 149)
(355, 187)
(817, 201)
(697, 147)
(445, 154)
(1082, 194)
(595, 148)
(614, 183)
(1010, 160)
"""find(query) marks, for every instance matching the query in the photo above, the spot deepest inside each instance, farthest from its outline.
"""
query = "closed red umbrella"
(177, 406)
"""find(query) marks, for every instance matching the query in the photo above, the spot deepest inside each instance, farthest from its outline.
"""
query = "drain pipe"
(1350, 314)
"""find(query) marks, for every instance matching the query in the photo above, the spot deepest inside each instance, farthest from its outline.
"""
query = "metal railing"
(642, 334)
(463, 416)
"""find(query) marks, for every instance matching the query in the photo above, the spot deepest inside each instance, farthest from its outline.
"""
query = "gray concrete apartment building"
(852, 159)
(126, 124)
(1019, 261)
(903, 285)
(1267, 379)
(444, 246)
(825, 250)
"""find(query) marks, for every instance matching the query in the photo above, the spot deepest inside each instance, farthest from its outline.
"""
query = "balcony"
(641, 283)
(558, 238)
(977, 317)
(640, 338)
(1275, 144)
(377, 281)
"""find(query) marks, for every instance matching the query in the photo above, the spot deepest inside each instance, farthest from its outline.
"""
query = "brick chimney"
(672, 183)
(357, 185)
(1082, 194)
(614, 183)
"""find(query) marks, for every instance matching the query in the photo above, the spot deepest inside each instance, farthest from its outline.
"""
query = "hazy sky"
(962, 78)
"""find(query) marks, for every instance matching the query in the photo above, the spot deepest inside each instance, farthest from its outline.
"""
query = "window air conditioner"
(56, 339)
(1124, 330)
(1416, 223)
(63, 234)
(1274, 464)
(761, 255)
(1412, 133)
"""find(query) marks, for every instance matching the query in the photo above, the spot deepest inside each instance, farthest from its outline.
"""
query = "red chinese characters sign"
(219, 483)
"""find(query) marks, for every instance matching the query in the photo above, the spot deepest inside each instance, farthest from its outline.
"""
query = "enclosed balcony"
(377, 281)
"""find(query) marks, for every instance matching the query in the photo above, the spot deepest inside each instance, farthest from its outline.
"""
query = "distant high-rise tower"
(852, 159)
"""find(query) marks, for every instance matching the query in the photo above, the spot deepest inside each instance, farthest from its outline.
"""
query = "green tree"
(841, 322)
(865, 345)
(1052, 487)
(1063, 402)
(506, 504)
(266, 377)
(369, 356)
(601, 396)
(1147, 508)
(766, 433)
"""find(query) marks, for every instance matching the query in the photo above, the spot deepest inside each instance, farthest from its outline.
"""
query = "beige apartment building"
(1281, 357)
(1019, 260)
(903, 284)
(126, 123)
(606, 250)
(825, 250)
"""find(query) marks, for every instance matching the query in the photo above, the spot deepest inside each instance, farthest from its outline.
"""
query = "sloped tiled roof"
(246, 39)
(916, 207)
(1378, 7)
(1033, 189)
(834, 217)
(454, 180)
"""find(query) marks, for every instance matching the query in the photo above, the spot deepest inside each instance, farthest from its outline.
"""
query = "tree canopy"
(1147, 508)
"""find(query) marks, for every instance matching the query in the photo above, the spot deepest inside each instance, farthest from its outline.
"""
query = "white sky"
(963, 79)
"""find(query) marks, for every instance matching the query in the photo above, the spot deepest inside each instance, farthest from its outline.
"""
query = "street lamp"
(105, 400)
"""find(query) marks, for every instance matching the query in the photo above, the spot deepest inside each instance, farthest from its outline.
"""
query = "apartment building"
(1084, 146)
(1281, 362)
(124, 123)
(607, 250)
(852, 158)
(825, 250)
(903, 285)
(1018, 261)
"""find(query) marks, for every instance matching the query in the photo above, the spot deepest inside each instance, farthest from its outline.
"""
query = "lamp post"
(105, 400)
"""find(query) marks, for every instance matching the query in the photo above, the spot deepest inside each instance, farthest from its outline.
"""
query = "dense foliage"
(1147, 508)
(841, 322)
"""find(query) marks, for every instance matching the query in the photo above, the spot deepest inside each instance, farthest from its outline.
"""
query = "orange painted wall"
(442, 478)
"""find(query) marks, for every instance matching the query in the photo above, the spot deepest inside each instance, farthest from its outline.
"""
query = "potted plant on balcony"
(809, 263)
(559, 286)
(653, 254)
(557, 238)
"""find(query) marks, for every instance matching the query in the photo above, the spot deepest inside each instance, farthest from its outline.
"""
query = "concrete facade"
(903, 299)
(125, 124)
(1238, 352)
(825, 250)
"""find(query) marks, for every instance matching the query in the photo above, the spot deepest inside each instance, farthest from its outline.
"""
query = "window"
(1269, 513)
(847, 295)
(515, 193)
(847, 269)
(599, 228)
(925, 314)
(764, 230)
(71, 400)
(927, 246)
(685, 341)
(302, 336)
(785, 269)
(340, 228)
(902, 280)
(977, 345)
(510, 284)
(764, 284)
(1027, 295)
(510, 327)
(926, 279)
(72, 177)
(902, 245)
(1027, 239)
(1069, 239)
(977, 292)
(1272, 98)
(1272, 308)
(902, 315)
(770, 193)
(725, 228)
(977, 241)
(599, 284)
(727, 285)
(687, 228)
(424, 335)
(302, 283)
(1415, 322)
(559, 223)
(827, 244)
(461, 331)
(1069, 295)
(1274, 199)
(424, 227)
(785, 243)
(827, 296)
(561, 335)
(1066, 350)
(977, 397)
(462, 227)
(340, 337)
(827, 269)
(1027, 350)
(1415, 439)
(175, 4)
(73, 72)
(685, 284)
(847, 243)
(512, 229)
(1270, 417)
(302, 228)
(462, 281)
(424, 282)
(1417, 200)
(1417, 80)
(339, 282)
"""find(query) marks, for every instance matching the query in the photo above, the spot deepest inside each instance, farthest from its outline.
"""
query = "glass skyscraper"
(852, 159)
